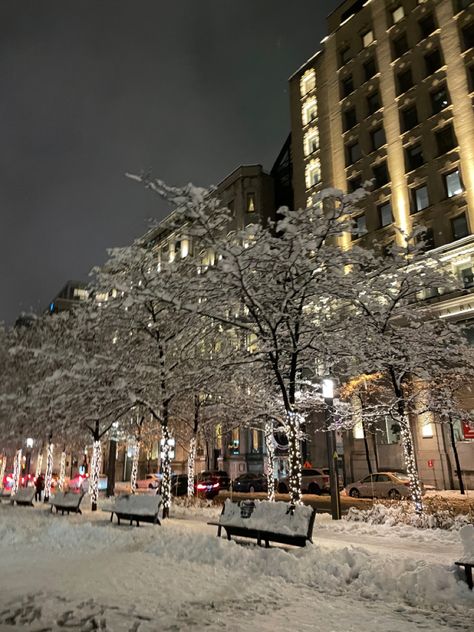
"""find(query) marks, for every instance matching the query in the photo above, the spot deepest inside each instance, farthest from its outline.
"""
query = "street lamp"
(29, 446)
(328, 394)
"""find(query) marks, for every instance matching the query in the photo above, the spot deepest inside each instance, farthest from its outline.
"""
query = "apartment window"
(373, 102)
(452, 182)
(360, 227)
(385, 214)
(251, 203)
(427, 26)
(310, 111)
(400, 46)
(381, 175)
(398, 14)
(308, 82)
(445, 139)
(433, 62)
(414, 157)
(439, 99)
(377, 138)
(459, 226)
(367, 38)
(311, 142)
(354, 183)
(353, 153)
(370, 69)
(347, 86)
(405, 81)
(345, 55)
(313, 173)
(350, 119)
(409, 118)
(468, 36)
(467, 277)
(420, 198)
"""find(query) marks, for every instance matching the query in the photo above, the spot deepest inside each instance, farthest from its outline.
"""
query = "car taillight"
(201, 486)
(216, 485)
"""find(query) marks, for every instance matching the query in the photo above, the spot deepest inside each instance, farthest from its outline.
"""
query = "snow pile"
(404, 514)
(467, 539)
(278, 517)
(194, 509)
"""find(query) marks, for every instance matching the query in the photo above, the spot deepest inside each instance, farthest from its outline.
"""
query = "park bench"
(143, 508)
(468, 566)
(267, 522)
(24, 496)
(66, 501)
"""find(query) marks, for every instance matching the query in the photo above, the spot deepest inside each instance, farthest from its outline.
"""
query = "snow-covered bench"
(267, 522)
(24, 496)
(66, 501)
(467, 562)
(143, 508)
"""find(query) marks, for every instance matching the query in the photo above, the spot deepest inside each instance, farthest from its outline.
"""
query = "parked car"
(151, 481)
(250, 482)
(80, 482)
(25, 481)
(394, 485)
(222, 477)
(206, 485)
(313, 481)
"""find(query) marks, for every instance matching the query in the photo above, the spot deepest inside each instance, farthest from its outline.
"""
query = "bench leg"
(118, 520)
(219, 530)
(468, 571)
(267, 545)
(111, 515)
(79, 511)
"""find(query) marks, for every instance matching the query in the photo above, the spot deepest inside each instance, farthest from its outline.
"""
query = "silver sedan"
(394, 485)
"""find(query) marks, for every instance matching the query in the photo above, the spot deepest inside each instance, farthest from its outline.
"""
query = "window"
(310, 111)
(445, 139)
(381, 175)
(385, 214)
(350, 119)
(452, 182)
(313, 173)
(373, 102)
(370, 69)
(347, 86)
(377, 138)
(311, 142)
(439, 99)
(405, 81)
(400, 46)
(345, 55)
(367, 38)
(398, 14)
(354, 183)
(360, 227)
(308, 82)
(468, 36)
(353, 153)
(409, 118)
(433, 62)
(414, 157)
(250, 202)
(459, 227)
(427, 26)
(467, 277)
(420, 198)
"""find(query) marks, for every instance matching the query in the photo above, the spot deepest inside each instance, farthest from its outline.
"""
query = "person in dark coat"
(39, 486)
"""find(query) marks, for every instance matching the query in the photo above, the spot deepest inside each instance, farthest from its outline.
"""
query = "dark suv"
(223, 477)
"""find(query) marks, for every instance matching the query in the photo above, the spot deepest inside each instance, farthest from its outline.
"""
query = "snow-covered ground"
(82, 573)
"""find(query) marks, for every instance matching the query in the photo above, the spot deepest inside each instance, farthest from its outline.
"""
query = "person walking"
(39, 486)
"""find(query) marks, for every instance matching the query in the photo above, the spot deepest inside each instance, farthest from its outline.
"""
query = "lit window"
(398, 14)
(367, 38)
(358, 431)
(250, 202)
(420, 198)
(427, 431)
(308, 82)
(439, 99)
(310, 111)
(313, 173)
(452, 183)
(311, 142)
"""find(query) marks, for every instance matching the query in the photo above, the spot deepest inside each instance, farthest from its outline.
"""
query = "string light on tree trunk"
(167, 454)
(3, 465)
(191, 465)
(16, 471)
(62, 471)
(49, 471)
(412, 470)
(293, 432)
(270, 460)
(134, 472)
(95, 474)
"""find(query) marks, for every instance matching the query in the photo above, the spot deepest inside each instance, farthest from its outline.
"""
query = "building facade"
(388, 98)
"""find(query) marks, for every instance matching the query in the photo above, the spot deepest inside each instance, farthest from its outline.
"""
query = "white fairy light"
(294, 457)
(270, 460)
(3, 465)
(191, 466)
(16, 471)
(62, 471)
(49, 471)
(134, 473)
(96, 466)
(412, 471)
(167, 450)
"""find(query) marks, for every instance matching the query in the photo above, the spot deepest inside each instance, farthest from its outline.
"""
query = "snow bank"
(269, 516)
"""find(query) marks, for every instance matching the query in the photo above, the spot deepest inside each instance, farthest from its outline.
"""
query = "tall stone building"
(388, 98)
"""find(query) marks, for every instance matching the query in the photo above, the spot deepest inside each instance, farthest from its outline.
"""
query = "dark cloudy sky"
(90, 89)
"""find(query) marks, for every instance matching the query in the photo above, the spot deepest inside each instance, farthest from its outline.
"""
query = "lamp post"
(328, 394)
(29, 446)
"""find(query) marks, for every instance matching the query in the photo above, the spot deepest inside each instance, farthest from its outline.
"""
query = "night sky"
(91, 89)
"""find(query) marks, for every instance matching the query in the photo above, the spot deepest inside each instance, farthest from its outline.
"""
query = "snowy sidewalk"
(81, 573)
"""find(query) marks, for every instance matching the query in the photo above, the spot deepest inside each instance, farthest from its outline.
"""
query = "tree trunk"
(166, 466)
(293, 427)
(96, 466)
(48, 479)
(270, 447)
(367, 451)
(135, 460)
(111, 468)
(62, 471)
(3, 465)
(191, 465)
(456, 457)
(16, 471)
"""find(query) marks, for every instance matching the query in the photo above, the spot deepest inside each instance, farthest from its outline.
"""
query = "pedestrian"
(39, 486)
